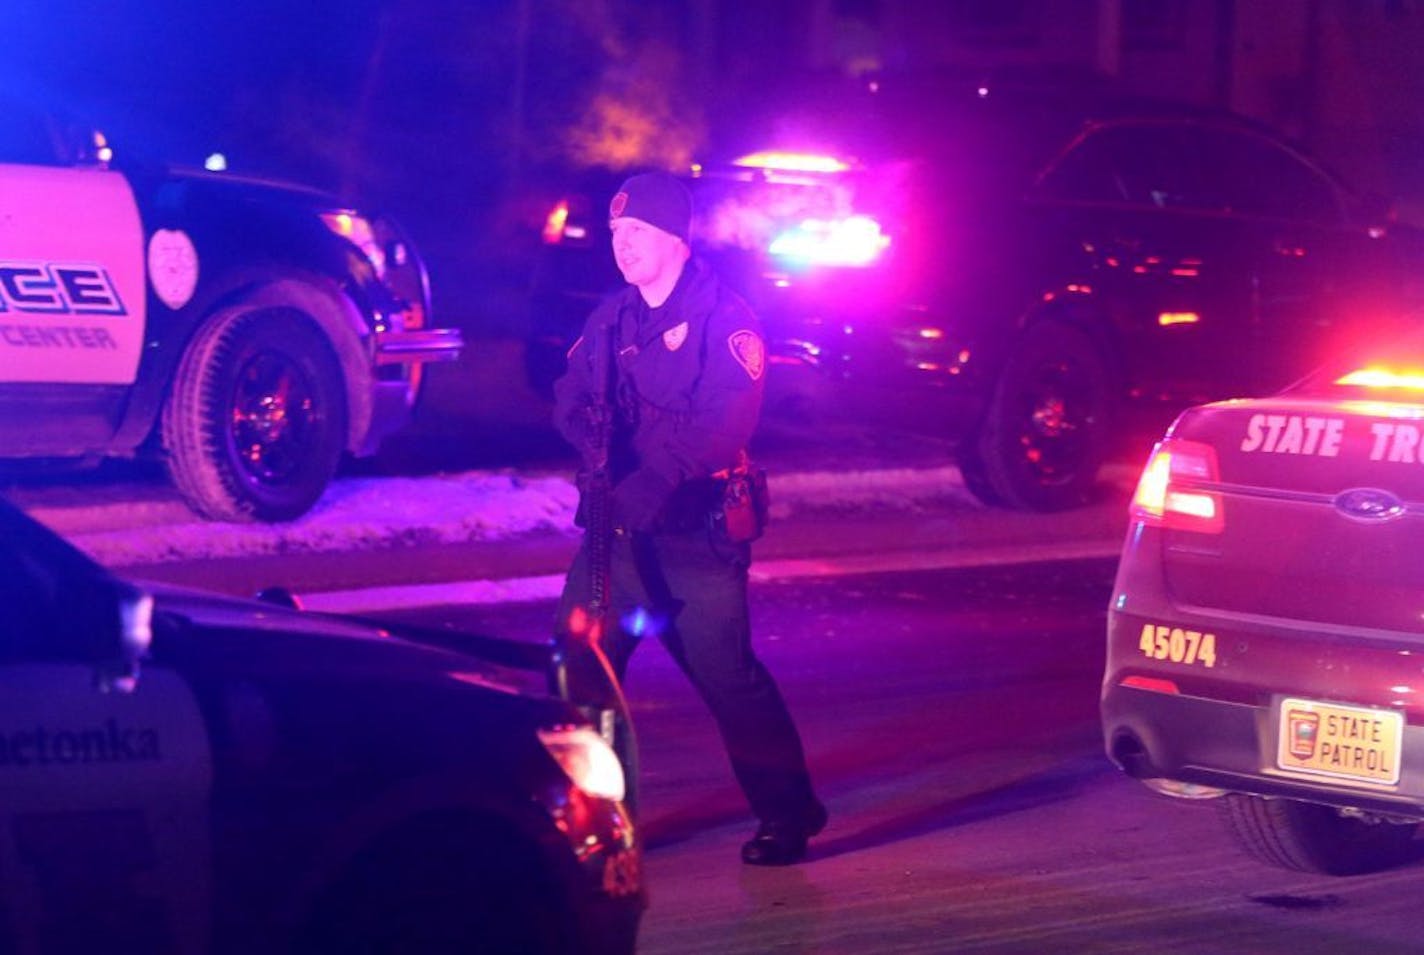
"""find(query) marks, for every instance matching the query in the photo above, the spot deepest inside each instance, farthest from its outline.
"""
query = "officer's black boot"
(783, 842)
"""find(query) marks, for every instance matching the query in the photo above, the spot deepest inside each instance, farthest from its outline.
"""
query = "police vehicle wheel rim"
(273, 416)
(1054, 424)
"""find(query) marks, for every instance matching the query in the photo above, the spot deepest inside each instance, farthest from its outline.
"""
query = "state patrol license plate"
(1347, 743)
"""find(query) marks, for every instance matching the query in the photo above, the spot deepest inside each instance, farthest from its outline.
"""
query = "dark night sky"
(331, 78)
(399, 106)
(176, 73)
(406, 105)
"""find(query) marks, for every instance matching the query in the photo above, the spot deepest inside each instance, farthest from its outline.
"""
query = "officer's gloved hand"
(638, 499)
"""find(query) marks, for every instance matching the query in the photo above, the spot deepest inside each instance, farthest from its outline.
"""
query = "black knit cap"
(656, 198)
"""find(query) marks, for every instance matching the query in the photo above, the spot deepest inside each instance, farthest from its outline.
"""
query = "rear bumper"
(1230, 746)
(1220, 725)
(395, 377)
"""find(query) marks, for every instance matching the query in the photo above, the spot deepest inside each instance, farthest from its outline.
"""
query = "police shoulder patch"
(675, 336)
(749, 352)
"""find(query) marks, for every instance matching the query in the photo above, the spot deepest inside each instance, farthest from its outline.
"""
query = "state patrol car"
(250, 332)
(182, 772)
(1265, 635)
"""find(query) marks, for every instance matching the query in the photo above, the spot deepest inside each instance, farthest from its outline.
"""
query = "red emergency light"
(554, 223)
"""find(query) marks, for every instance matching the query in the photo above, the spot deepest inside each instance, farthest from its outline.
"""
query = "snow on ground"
(128, 524)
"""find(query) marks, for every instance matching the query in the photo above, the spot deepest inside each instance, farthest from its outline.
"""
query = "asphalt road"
(950, 717)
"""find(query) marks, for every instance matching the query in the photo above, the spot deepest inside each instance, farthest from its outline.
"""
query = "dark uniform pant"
(690, 590)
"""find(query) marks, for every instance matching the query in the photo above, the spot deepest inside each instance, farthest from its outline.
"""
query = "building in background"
(454, 114)
(1343, 77)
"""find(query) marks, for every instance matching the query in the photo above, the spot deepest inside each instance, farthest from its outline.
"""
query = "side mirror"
(88, 146)
(57, 605)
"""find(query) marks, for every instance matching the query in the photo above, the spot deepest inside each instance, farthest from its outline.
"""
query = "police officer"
(688, 367)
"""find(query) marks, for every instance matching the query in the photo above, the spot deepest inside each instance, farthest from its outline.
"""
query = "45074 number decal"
(1177, 645)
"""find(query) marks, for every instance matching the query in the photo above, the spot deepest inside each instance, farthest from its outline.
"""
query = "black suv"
(1028, 269)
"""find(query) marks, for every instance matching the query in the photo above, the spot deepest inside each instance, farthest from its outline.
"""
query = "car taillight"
(567, 222)
(555, 222)
(1171, 492)
(855, 241)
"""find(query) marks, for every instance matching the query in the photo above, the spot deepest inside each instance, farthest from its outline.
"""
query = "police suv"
(185, 772)
(250, 332)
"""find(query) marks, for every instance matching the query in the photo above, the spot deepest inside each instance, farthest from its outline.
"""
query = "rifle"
(596, 484)
(609, 706)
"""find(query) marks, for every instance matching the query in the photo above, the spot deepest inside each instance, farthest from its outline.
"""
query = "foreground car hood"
(269, 635)
(209, 609)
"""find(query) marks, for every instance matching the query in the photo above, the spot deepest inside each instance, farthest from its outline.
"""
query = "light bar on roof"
(1383, 378)
(855, 241)
(791, 162)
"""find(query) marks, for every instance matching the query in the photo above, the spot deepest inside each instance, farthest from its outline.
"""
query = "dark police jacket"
(689, 382)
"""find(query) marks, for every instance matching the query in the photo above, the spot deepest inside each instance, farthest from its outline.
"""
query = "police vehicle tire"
(255, 423)
(1307, 837)
(1042, 439)
(976, 478)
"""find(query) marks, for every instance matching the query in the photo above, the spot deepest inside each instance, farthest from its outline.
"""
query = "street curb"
(519, 526)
